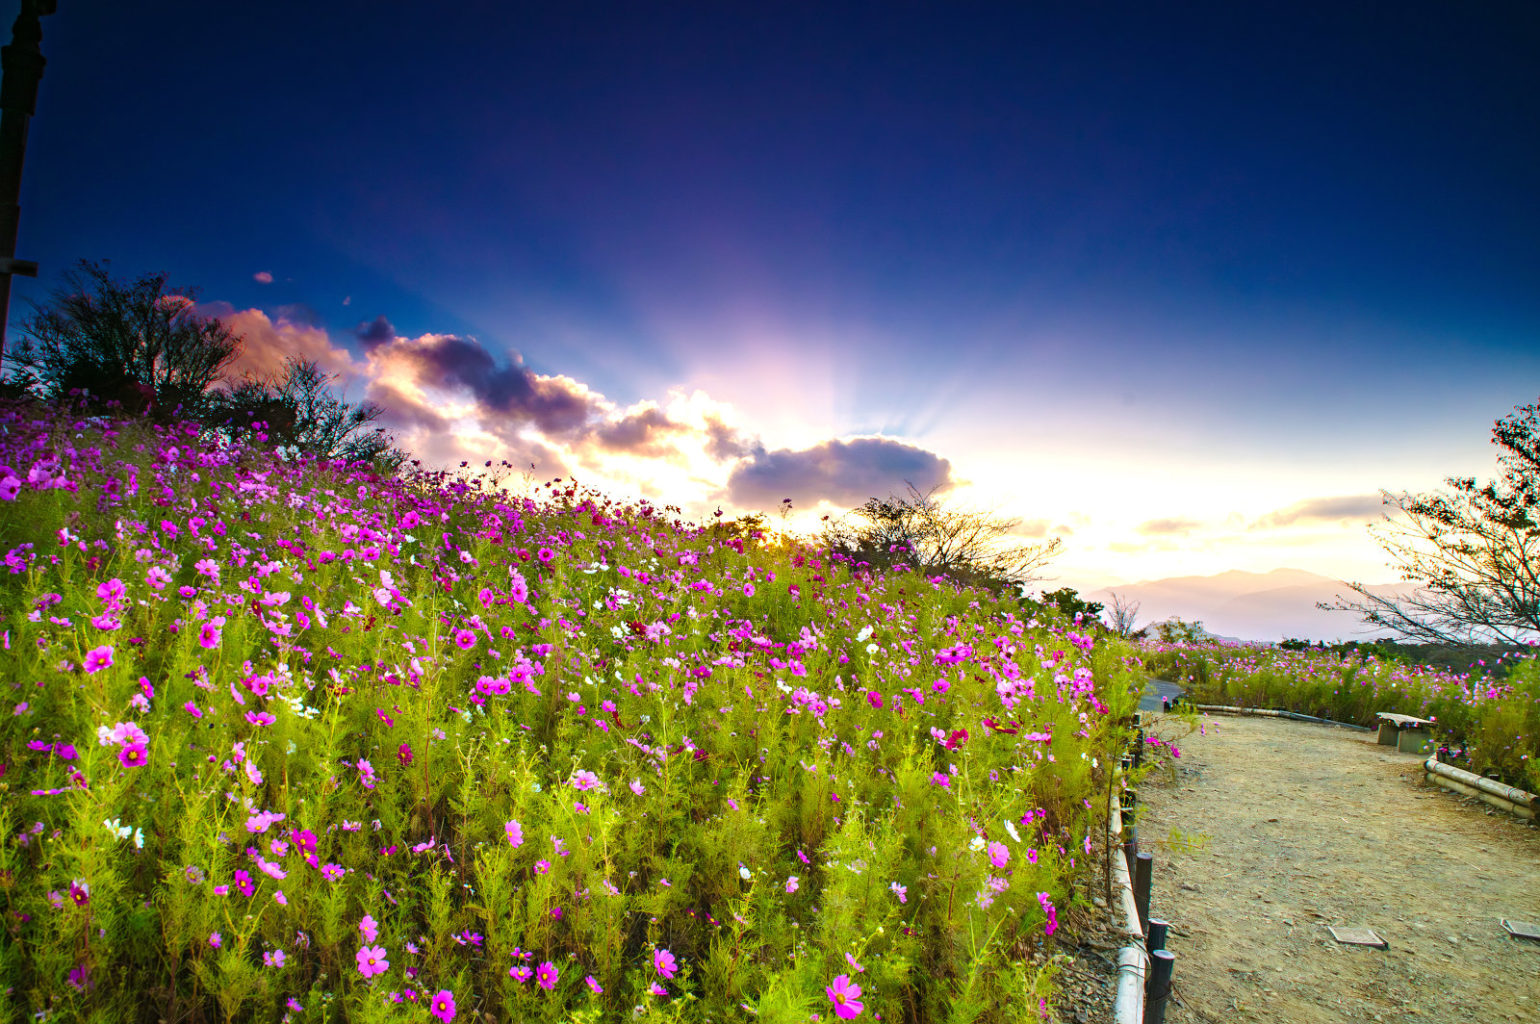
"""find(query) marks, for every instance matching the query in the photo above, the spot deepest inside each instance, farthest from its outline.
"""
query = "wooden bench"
(1407, 733)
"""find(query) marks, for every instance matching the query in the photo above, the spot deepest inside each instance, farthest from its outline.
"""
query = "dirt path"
(1305, 826)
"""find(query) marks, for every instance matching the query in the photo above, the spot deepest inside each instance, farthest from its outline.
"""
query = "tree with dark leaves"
(1472, 551)
(141, 345)
(299, 410)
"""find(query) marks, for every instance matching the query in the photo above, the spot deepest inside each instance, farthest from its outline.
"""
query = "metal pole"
(1158, 986)
(1144, 864)
(23, 63)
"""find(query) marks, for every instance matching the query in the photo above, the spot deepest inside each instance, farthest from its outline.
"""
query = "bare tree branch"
(1470, 549)
(919, 530)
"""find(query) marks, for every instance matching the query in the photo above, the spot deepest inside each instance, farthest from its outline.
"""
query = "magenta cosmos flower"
(371, 961)
(846, 997)
(515, 833)
(133, 756)
(443, 1005)
(664, 961)
(546, 975)
(99, 658)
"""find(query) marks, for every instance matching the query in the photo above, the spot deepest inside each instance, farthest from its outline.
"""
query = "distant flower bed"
(1484, 723)
(294, 741)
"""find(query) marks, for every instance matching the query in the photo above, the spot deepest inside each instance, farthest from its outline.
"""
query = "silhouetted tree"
(139, 344)
(301, 411)
(1123, 616)
(1069, 601)
(1472, 550)
(919, 530)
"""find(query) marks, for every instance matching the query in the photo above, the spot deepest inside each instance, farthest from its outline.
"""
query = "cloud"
(299, 313)
(1035, 529)
(1356, 507)
(266, 343)
(841, 472)
(640, 432)
(448, 399)
(262, 277)
(1169, 527)
(723, 443)
(557, 406)
(374, 332)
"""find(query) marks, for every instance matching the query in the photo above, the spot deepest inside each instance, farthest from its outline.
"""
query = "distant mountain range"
(1239, 605)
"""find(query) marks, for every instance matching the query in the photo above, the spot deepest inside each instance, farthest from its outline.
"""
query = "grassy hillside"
(296, 741)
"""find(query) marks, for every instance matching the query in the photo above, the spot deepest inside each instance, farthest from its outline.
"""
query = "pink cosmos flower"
(1052, 923)
(216, 940)
(133, 756)
(515, 833)
(664, 961)
(546, 975)
(791, 884)
(369, 927)
(99, 658)
(465, 639)
(443, 1005)
(520, 973)
(998, 854)
(637, 787)
(208, 636)
(542, 866)
(846, 997)
(874, 699)
(371, 961)
(657, 990)
(594, 985)
(584, 780)
(546, 554)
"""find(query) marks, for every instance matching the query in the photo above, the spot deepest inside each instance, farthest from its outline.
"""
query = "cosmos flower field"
(297, 741)
(1488, 722)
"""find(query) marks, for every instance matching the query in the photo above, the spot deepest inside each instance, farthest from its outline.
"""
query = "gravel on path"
(1266, 832)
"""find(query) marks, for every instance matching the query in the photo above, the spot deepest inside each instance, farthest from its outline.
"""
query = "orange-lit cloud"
(267, 343)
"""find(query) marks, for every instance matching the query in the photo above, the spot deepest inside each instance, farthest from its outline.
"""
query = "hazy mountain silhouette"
(1250, 605)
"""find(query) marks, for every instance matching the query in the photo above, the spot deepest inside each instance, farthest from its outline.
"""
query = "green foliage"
(1489, 723)
(680, 721)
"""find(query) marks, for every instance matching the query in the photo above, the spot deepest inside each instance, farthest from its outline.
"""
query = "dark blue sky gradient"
(1336, 193)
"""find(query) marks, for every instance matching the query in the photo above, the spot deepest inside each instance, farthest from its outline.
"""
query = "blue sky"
(1101, 267)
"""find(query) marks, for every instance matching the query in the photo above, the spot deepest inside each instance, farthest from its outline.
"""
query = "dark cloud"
(374, 332)
(724, 443)
(638, 433)
(557, 406)
(400, 410)
(1169, 527)
(842, 472)
(1348, 506)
